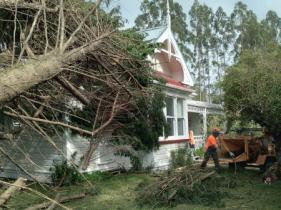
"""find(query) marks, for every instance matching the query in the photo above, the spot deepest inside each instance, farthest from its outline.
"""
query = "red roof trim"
(172, 82)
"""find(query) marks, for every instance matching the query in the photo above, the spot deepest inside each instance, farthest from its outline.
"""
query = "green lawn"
(119, 192)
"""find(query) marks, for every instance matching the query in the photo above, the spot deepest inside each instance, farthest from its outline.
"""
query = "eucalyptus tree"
(200, 38)
(222, 37)
(272, 26)
(248, 31)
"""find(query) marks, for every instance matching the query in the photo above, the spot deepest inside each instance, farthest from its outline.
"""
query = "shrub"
(180, 157)
(65, 174)
(98, 176)
(200, 152)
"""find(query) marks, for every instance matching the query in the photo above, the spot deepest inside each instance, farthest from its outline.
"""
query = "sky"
(130, 8)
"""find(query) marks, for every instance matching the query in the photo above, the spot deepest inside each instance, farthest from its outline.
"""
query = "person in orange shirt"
(211, 149)
(191, 140)
(191, 143)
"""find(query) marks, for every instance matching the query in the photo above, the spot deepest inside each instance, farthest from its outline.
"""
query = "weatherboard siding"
(160, 159)
(32, 153)
(104, 157)
(37, 156)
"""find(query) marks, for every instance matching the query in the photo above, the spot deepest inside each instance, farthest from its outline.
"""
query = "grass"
(119, 192)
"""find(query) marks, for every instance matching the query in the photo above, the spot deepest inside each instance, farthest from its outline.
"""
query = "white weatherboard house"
(182, 112)
(34, 156)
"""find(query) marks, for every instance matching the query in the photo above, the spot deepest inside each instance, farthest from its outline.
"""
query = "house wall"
(160, 159)
(36, 156)
(103, 159)
(32, 153)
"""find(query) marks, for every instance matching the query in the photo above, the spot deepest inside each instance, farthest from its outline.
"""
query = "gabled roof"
(153, 34)
(160, 34)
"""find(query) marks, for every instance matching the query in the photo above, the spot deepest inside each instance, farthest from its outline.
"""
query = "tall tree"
(272, 26)
(200, 38)
(222, 37)
(248, 30)
(252, 88)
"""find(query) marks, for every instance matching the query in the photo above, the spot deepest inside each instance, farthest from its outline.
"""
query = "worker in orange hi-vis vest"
(191, 142)
(211, 149)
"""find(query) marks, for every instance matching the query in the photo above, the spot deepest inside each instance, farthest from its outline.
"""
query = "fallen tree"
(65, 65)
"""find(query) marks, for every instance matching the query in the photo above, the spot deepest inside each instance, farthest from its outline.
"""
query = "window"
(175, 116)
(180, 117)
(170, 115)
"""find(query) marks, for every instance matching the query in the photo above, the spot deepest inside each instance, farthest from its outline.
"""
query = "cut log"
(5, 196)
(61, 200)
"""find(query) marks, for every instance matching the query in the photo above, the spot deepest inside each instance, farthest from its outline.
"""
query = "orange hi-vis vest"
(211, 142)
(191, 137)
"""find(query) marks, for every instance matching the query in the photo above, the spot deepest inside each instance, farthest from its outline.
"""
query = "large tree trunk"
(22, 77)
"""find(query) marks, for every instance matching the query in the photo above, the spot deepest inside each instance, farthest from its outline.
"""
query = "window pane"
(170, 106)
(180, 126)
(180, 107)
(170, 122)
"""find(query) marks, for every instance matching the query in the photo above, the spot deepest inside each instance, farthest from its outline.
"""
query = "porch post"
(205, 122)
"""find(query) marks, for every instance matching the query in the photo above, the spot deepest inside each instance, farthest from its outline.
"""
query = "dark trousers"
(211, 152)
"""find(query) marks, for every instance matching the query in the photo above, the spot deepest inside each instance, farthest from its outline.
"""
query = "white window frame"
(180, 117)
(172, 117)
(176, 117)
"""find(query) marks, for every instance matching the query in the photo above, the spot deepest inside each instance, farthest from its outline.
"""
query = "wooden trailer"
(246, 151)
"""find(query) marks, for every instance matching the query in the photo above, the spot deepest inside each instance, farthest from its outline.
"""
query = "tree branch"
(71, 38)
(74, 91)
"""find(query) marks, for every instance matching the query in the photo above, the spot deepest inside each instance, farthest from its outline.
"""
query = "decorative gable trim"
(167, 35)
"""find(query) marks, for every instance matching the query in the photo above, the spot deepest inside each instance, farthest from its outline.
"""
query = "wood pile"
(185, 185)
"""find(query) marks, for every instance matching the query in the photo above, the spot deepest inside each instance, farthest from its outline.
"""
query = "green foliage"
(200, 152)
(215, 121)
(252, 88)
(98, 176)
(64, 174)
(180, 158)
(147, 122)
(143, 129)
(137, 46)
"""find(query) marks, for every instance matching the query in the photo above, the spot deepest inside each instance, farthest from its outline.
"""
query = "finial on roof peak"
(169, 45)
(168, 15)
